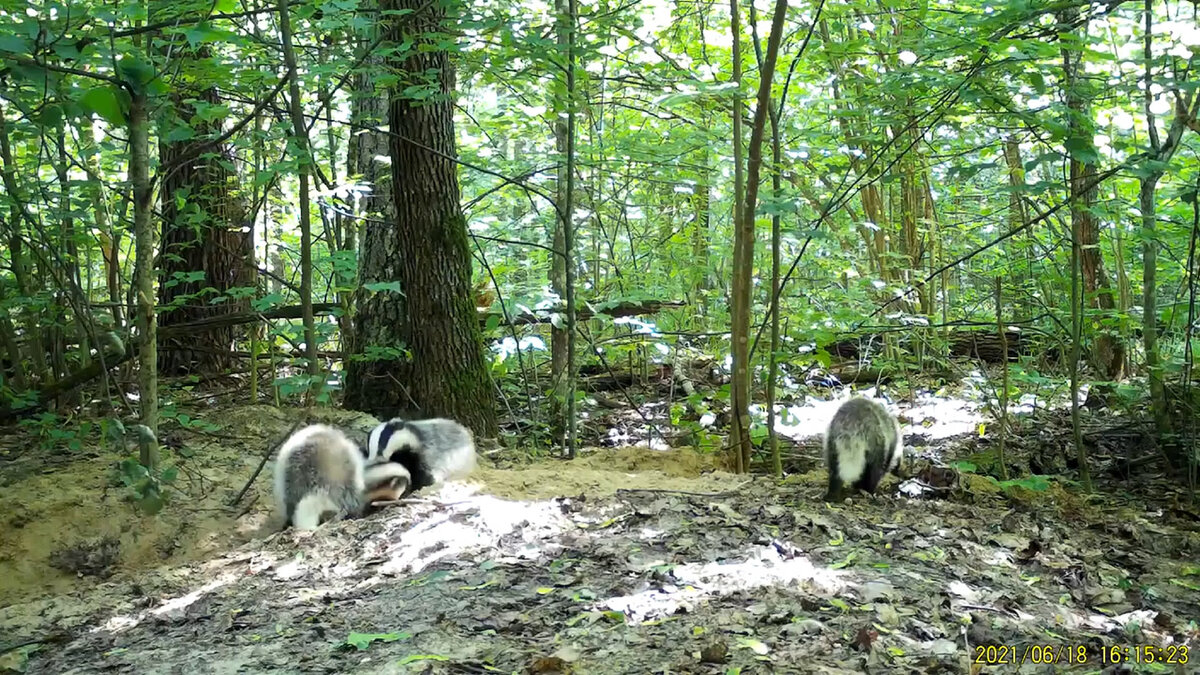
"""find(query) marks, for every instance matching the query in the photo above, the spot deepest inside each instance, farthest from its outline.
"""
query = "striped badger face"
(390, 439)
(386, 482)
(430, 450)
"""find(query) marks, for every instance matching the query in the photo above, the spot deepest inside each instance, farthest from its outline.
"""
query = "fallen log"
(619, 310)
(113, 357)
(616, 311)
(985, 346)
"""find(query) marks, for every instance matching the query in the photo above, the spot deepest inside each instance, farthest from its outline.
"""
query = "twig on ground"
(266, 455)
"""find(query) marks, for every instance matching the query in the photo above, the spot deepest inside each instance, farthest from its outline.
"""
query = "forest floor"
(624, 561)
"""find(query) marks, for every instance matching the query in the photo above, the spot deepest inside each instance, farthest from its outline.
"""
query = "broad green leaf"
(14, 44)
(1082, 149)
(266, 302)
(105, 102)
(379, 286)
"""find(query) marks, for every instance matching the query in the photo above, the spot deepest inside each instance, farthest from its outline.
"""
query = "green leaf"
(151, 504)
(421, 657)
(135, 71)
(266, 302)
(50, 115)
(14, 44)
(180, 133)
(1082, 149)
(378, 286)
(361, 641)
(105, 102)
(204, 32)
(1038, 81)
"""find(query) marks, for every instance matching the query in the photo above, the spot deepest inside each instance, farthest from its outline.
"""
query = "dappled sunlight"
(462, 523)
(933, 414)
(697, 581)
(171, 608)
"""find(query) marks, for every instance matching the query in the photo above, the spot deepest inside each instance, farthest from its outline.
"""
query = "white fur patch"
(852, 459)
(457, 463)
(307, 515)
(377, 474)
(310, 506)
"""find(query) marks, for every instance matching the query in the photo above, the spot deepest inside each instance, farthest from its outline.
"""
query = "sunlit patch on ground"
(933, 414)
(763, 566)
(460, 523)
(627, 560)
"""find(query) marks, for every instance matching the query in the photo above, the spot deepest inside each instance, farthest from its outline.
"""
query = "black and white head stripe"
(387, 473)
(391, 436)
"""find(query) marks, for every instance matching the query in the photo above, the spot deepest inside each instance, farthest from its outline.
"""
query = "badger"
(319, 477)
(386, 481)
(862, 444)
(430, 451)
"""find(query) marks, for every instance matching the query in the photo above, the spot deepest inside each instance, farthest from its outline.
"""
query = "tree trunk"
(559, 338)
(300, 133)
(144, 245)
(739, 310)
(202, 232)
(444, 372)
(1162, 152)
(744, 240)
(20, 264)
(367, 150)
(1108, 353)
(776, 254)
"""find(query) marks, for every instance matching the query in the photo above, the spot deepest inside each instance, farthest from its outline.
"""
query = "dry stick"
(266, 455)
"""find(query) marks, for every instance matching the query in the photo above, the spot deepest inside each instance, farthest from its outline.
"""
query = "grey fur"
(432, 450)
(319, 477)
(862, 444)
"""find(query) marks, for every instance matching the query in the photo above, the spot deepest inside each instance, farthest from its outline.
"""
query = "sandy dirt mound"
(634, 561)
(75, 513)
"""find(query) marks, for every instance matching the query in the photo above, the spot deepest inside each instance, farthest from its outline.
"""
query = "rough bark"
(367, 158)
(739, 307)
(202, 232)
(144, 245)
(426, 251)
(559, 376)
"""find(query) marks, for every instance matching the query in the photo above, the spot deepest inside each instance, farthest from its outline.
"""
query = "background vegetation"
(298, 198)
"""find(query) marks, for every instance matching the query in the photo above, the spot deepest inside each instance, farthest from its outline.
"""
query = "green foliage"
(54, 435)
(362, 641)
(144, 487)
(1034, 483)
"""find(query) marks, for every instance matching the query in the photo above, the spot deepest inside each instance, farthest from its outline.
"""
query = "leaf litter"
(631, 561)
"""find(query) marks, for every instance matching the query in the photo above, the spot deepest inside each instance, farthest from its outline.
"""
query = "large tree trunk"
(434, 319)
(202, 232)
(368, 108)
